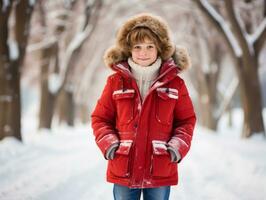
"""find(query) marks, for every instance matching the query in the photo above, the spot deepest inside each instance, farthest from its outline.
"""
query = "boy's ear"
(114, 55)
(181, 57)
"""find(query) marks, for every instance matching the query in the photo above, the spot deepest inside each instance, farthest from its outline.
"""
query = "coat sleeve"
(103, 120)
(184, 122)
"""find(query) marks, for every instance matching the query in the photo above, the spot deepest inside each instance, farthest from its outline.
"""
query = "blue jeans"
(125, 193)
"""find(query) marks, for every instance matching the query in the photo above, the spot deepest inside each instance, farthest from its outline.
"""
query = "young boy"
(144, 120)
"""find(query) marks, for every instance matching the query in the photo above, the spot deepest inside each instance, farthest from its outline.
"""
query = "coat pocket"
(124, 105)
(161, 162)
(165, 105)
(119, 166)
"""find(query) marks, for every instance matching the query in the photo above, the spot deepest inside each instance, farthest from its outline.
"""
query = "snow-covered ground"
(65, 164)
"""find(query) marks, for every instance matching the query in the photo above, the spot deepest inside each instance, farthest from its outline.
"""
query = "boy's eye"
(139, 47)
(136, 47)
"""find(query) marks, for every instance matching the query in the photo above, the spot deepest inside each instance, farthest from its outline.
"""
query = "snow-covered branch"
(59, 13)
(76, 43)
(86, 29)
(79, 39)
(13, 49)
(255, 36)
(32, 2)
(218, 20)
(237, 29)
(46, 42)
(5, 4)
(54, 82)
(259, 36)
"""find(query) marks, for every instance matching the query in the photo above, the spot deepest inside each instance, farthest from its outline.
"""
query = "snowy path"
(67, 165)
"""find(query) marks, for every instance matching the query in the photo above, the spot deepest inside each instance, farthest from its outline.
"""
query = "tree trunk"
(208, 119)
(70, 108)
(46, 106)
(230, 115)
(83, 113)
(5, 64)
(212, 119)
(206, 101)
(247, 66)
(10, 124)
(15, 115)
(251, 99)
(66, 107)
(47, 103)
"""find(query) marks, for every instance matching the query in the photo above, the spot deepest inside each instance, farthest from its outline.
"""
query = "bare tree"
(245, 49)
(12, 51)
(208, 53)
(60, 53)
(91, 14)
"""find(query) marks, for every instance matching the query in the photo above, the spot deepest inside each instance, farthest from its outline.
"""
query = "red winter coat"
(144, 128)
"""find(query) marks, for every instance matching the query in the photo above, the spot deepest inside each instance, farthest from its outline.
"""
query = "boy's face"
(144, 53)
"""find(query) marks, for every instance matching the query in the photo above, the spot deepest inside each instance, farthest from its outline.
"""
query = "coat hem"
(155, 183)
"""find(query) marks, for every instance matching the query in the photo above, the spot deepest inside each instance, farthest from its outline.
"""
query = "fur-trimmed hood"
(120, 51)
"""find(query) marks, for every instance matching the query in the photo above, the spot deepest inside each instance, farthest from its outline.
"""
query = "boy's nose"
(143, 52)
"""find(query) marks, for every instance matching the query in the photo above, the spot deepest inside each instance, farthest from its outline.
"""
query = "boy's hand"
(110, 153)
(175, 155)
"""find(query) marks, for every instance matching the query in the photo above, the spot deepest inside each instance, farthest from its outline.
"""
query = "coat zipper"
(141, 102)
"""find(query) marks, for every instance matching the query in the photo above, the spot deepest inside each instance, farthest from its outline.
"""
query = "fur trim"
(114, 55)
(121, 51)
(182, 58)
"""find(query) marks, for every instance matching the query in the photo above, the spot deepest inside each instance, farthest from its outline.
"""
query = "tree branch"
(23, 16)
(258, 44)
(237, 28)
(227, 97)
(219, 23)
(77, 42)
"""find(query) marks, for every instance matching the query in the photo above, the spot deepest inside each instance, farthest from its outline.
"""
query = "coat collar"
(168, 70)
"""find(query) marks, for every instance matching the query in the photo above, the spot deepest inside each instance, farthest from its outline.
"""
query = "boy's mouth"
(143, 59)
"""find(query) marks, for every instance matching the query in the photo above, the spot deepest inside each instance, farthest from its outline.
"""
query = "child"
(143, 122)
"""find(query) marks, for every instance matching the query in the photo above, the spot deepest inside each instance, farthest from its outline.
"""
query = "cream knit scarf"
(145, 75)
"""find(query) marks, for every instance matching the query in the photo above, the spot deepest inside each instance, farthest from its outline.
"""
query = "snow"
(13, 49)
(79, 38)
(244, 33)
(249, 43)
(236, 48)
(254, 37)
(45, 43)
(65, 163)
(5, 4)
(32, 2)
(68, 3)
(54, 83)
(50, 165)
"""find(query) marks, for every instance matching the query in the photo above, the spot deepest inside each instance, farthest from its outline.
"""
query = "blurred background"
(52, 73)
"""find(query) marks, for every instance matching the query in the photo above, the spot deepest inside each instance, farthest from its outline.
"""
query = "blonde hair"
(139, 35)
